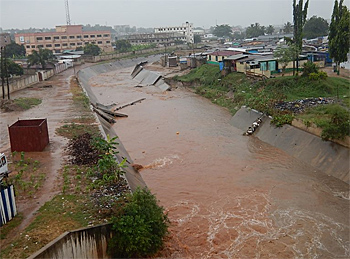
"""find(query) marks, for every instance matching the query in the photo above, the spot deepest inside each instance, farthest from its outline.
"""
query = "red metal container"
(29, 135)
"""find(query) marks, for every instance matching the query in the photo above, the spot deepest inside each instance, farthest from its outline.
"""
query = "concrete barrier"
(133, 177)
(82, 243)
(328, 157)
(24, 82)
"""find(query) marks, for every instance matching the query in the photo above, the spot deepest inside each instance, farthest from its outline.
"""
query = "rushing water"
(227, 195)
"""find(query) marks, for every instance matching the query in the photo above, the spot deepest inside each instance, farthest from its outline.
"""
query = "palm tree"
(288, 28)
(42, 57)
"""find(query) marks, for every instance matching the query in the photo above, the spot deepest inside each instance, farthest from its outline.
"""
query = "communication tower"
(67, 12)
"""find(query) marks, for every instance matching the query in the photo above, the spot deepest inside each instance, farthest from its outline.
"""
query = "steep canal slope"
(228, 195)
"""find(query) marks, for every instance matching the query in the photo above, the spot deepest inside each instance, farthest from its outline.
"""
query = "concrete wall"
(133, 177)
(24, 82)
(329, 157)
(82, 243)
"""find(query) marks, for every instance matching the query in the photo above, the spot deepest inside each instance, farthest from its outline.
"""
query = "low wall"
(329, 157)
(82, 243)
(18, 84)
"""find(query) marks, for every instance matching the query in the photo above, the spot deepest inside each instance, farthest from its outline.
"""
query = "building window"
(79, 43)
(47, 38)
(93, 42)
(63, 37)
(92, 36)
(78, 36)
(27, 46)
(105, 35)
(48, 45)
(39, 38)
(57, 45)
(99, 42)
(56, 37)
(72, 44)
(72, 37)
(86, 36)
(40, 46)
(64, 44)
(33, 46)
(99, 35)
(108, 42)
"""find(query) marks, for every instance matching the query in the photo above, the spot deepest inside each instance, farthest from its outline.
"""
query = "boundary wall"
(328, 157)
(27, 81)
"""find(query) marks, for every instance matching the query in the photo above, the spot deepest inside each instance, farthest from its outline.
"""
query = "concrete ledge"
(329, 157)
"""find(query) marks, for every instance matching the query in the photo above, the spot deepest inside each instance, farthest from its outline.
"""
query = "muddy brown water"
(227, 195)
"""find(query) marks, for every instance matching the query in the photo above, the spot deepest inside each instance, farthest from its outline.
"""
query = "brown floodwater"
(227, 195)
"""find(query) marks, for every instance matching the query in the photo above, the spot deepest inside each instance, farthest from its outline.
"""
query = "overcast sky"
(23, 14)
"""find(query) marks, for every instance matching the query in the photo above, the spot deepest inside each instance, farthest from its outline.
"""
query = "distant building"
(160, 39)
(186, 29)
(4, 39)
(66, 37)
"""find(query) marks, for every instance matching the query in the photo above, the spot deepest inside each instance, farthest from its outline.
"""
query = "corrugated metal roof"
(236, 57)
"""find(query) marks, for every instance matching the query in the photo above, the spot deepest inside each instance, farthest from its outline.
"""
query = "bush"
(309, 68)
(280, 120)
(141, 227)
(339, 124)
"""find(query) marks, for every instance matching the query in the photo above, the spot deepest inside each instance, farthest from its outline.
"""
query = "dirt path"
(57, 108)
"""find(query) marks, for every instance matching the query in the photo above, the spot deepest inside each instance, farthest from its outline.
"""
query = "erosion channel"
(227, 195)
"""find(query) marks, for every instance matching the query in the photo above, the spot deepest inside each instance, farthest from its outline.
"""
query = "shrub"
(314, 76)
(280, 120)
(140, 228)
(309, 68)
(339, 124)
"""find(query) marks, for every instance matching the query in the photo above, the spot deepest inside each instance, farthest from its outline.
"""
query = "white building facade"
(186, 29)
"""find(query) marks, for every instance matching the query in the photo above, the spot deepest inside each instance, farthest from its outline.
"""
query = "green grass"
(73, 130)
(9, 226)
(27, 103)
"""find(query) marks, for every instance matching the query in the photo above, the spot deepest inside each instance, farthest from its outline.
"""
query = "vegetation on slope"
(235, 90)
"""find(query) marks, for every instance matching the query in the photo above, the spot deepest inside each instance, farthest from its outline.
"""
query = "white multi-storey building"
(186, 29)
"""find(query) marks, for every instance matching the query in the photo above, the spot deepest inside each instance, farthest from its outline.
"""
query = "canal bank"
(227, 195)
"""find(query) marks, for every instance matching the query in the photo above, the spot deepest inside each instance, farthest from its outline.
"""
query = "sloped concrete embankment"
(328, 157)
(134, 178)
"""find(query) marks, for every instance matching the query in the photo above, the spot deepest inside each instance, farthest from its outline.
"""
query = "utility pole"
(7, 76)
(2, 73)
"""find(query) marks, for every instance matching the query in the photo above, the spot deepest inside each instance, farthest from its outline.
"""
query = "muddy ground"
(57, 107)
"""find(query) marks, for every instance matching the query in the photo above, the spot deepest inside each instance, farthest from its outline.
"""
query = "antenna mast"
(67, 12)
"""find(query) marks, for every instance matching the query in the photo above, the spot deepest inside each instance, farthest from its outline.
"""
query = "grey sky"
(145, 13)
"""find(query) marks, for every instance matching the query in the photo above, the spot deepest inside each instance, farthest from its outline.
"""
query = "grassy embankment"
(71, 209)
(235, 90)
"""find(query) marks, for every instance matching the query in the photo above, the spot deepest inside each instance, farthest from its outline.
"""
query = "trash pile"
(81, 151)
(254, 126)
(299, 106)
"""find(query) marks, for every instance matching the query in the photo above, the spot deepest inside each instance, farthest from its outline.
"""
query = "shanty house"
(216, 57)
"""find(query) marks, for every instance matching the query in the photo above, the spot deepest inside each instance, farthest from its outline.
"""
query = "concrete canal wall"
(329, 157)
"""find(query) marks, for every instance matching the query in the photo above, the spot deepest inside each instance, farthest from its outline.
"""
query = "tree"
(13, 68)
(288, 28)
(315, 27)
(92, 49)
(42, 57)
(270, 30)
(255, 30)
(285, 55)
(299, 17)
(339, 33)
(14, 50)
(223, 31)
(122, 45)
(140, 228)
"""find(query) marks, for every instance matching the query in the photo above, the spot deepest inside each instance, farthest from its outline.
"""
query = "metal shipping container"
(29, 135)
